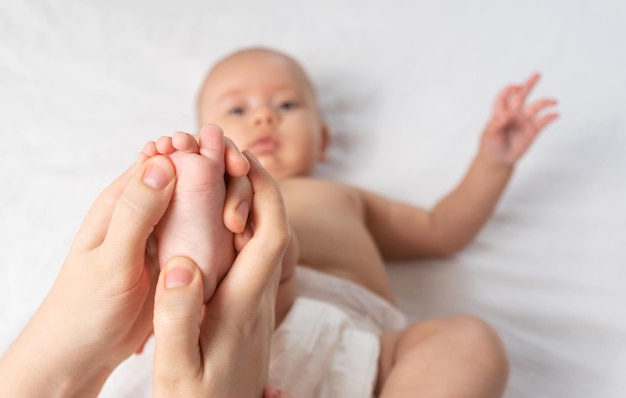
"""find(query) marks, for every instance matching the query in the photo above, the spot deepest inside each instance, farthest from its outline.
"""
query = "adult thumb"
(177, 315)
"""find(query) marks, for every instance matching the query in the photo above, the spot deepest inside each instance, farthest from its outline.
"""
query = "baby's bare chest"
(323, 209)
(328, 220)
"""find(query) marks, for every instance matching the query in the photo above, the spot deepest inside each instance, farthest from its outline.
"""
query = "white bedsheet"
(407, 88)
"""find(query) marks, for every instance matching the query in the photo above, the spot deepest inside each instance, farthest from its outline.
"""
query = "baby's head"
(265, 102)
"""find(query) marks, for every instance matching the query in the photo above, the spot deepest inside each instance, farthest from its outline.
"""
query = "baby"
(338, 332)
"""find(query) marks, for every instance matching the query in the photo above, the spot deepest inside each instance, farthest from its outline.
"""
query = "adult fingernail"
(178, 274)
(158, 174)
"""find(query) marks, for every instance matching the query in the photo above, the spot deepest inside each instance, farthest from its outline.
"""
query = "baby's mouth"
(265, 144)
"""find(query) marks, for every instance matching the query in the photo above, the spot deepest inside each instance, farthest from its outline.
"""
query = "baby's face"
(265, 104)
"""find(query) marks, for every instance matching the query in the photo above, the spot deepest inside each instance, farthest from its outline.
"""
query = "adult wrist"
(37, 365)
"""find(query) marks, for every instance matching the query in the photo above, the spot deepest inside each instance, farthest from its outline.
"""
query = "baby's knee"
(463, 335)
(480, 340)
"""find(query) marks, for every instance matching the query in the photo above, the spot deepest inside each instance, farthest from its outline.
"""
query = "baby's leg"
(193, 225)
(458, 357)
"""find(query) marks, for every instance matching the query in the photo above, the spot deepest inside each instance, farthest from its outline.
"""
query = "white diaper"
(328, 345)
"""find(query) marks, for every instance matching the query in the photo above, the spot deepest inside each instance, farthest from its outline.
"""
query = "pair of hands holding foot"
(110, 294)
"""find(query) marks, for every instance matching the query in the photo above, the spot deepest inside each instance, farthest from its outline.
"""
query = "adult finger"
(237, 203)
(237, 165)
(139, 208)
(93, 229)
(241, 239)
(257, 266)
(239, 319)
(177, 315)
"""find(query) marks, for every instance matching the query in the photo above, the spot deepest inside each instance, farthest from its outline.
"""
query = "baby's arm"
(403, 231)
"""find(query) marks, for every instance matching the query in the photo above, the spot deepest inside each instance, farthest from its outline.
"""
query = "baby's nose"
(265, 115)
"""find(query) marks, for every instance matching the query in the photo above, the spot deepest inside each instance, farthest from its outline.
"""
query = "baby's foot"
(193, 225)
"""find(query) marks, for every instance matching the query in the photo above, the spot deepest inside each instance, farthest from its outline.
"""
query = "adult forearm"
(38, 365)
(26, 374)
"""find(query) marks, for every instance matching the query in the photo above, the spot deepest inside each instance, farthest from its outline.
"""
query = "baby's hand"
(514, 125)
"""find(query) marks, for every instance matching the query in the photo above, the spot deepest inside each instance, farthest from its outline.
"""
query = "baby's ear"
(324, 142)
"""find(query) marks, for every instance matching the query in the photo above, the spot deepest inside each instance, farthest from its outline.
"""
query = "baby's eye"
(287, 105)
(236, 111)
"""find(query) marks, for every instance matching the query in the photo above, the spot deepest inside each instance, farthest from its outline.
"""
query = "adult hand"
(99, 310)
(100, 306)
(222, 348)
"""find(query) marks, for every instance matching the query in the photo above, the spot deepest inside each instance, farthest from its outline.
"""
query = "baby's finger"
(543, 121)
(513, 98)
(503, 101)
(501, 108)
(139, 208)
(527, 88)
(237, 203)
(539, 105)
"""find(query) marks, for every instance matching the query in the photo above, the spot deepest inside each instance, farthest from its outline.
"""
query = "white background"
(407, 87)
